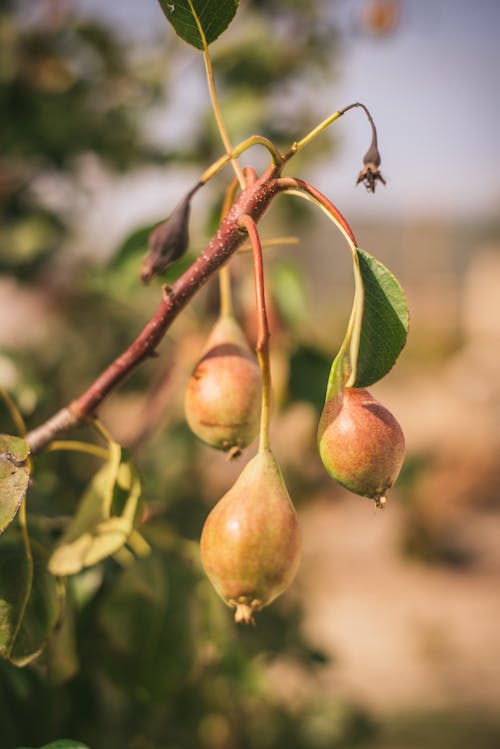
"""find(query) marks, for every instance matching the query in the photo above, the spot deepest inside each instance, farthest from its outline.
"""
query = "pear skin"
(222, 401)
(250, 543)
(361, 444)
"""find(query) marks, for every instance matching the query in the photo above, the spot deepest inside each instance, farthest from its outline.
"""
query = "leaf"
(30, 600)
(384, 328)
(14, 477)
(214, 17)
(95, 533)
(385, 321)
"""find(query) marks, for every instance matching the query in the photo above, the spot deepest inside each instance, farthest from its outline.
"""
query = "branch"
(252, 201)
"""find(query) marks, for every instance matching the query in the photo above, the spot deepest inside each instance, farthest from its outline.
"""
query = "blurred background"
(389, 638)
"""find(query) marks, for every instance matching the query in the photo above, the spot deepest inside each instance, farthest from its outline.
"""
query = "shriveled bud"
(371, 172)
(169, 240)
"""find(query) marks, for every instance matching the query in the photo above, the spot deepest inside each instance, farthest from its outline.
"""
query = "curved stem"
(14, 412)
(77, 446)
(293, 184)
(263, 336)
(253, 140)
(353, 334)
(298, 145)
(276, 242)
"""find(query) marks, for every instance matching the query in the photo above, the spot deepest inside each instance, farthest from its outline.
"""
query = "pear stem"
(225, 296)
(262, 345)
(351, 342)
(298, 145)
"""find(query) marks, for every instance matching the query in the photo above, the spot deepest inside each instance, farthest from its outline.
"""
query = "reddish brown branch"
(253, 201)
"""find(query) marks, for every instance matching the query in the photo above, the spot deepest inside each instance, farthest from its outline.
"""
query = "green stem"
(29, 558)
(253, 140)
(226, 300)
(353, 334)
(99, 427)
(299, 144)
(276, 242)
(14, 412)
(263, 337)
(77, 446)
(215, 101)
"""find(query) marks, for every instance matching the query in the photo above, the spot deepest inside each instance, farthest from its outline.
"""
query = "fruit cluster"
(250, 543)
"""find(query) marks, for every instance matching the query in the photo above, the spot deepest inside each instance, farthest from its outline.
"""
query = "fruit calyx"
(245, 608)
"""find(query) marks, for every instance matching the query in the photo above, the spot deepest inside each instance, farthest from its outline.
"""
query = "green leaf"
(214, 17)
(385, 321)
(30, 600)
(104, 520)
(14, 477)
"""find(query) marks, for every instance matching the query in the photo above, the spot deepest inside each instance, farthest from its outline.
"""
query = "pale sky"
(434, 90)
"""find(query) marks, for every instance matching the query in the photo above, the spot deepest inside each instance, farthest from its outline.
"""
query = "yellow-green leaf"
(14, 477)
(104, 520)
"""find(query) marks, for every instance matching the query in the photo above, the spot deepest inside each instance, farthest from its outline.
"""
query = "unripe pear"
(361, 444)
(222, 402)
(250, 543)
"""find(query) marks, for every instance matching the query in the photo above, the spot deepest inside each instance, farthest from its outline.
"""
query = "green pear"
(250, 543)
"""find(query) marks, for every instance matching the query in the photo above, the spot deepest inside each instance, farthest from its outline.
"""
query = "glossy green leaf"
(30, 600)
(104, 519)
(14, 477)
(385, 321)
(383, 329)
(214, 17)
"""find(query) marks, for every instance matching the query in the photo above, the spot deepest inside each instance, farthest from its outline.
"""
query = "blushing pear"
(222, 401)
(361, 444)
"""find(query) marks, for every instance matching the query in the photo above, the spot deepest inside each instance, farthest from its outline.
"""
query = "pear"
(250, 543)
(361, 444)
(222, 402)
